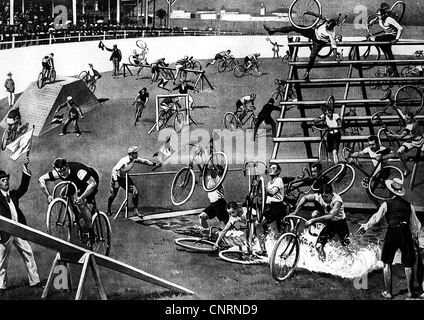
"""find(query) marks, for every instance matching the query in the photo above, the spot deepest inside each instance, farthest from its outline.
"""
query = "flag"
(165, 151)
(21, 145)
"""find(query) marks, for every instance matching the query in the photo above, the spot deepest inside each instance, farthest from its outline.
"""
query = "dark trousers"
(74, 123)
(387, 50)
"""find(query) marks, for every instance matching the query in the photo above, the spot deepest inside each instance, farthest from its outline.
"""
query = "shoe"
(141, 216)
(61, 134)
(386, 295)
(38, 285)
(406, 173)
(306, 76)
(78, 134)
(411, 296)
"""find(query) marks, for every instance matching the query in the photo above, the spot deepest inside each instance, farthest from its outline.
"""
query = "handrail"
(349, 118)
(374, 80)
(357, 43)
(341, 101)
(357, 62)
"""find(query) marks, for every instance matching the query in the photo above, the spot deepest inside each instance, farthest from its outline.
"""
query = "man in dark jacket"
(265, 115)
(9, 208)
(116, 58)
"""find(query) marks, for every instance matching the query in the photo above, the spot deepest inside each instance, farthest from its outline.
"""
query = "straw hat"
(396, 186)
(9, 73)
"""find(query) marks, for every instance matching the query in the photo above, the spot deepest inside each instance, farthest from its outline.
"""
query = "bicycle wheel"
(179, 122)
(257, 71)
(330, 102)
(64, 189)
(258, 199)
(239, 71)
(84, 76)
(377, 186)
(397, 11)
(297, 15)
(409, 98)
(167, 74)
(5, 139)
(103, 232)
(322, 152)
(222, 66)
(134, 60)
(241, 257)
(141, 44)
(277, 96)
(196, 65)
(58, 219)
(230, 121)
(182, 186)
(284, 256)
(328, 176)
(40, 80)
(52, 77)
(195, 244)
(214, 171)
(345, 180)
(92, 87)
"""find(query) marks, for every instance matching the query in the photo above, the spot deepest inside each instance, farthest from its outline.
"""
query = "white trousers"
(27, 255)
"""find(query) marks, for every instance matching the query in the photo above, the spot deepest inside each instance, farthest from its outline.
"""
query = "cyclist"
(265, 115)
(140, 58)
(94, 74)
(48, 64)
(74, 112)
(392, 32)
(413, 136)
(13, 118)
(180, 64)
(319, 35)
(223, 55)
(250, 59)
(183, 88)
(334, 123)
(168, 106)
(9, 84)
(241, 105)
(334, 217)
(140, 101)
(117, 180)
(155, 68)
(86, 180)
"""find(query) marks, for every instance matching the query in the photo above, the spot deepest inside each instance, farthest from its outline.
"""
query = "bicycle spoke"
(284, 256)
(409, 98)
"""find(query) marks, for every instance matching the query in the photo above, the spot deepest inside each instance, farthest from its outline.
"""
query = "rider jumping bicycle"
(250, 59)
(13, 119)
(48, 64)
(86, 180)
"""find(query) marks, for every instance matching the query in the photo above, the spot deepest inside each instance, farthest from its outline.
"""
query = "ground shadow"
(103, 100)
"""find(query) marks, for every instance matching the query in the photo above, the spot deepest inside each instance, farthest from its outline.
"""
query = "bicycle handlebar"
(255, 164)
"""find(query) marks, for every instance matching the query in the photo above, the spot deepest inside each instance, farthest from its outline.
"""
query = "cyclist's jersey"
(47, 59)
(390, 26)
(14, 114)
(181, 62)
(279, 195)
(414, 130)
(372, 154)
(340, 215)
(322, 34)
(331, 123)
(79, 174)
(94, 73)
(246, 99)
(142, 96)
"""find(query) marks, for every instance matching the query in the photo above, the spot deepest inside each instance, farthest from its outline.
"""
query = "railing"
(44, 38)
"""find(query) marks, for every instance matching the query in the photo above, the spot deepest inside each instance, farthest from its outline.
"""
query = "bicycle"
(139, 107)
(200, 244)
(374, 182)
(90, 83)
(279, 94)
(43, 78)
(230, 63)
(232, 120)
(255, 202)
(63, 220)
(372, 52)
(351, 128)
(213, 170)
(255, 69)
(286, 58)
(165, 116)
(382, 73)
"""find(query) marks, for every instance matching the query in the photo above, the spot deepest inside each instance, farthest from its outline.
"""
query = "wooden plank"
(171, 214)
(46, 240)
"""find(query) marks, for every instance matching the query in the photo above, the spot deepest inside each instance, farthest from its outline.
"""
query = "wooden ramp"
(37, 106)
(68, 250)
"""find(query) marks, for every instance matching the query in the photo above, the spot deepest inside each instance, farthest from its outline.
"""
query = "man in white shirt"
(334, 217)
(9, 208)
(119, 171)
(320, 37)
